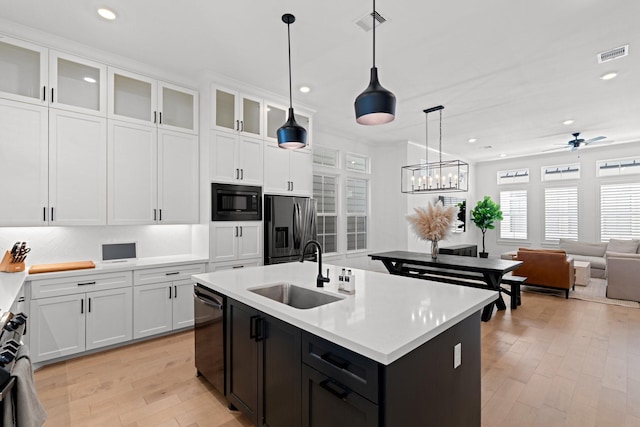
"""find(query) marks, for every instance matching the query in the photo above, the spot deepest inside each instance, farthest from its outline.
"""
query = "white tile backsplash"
(62, 244)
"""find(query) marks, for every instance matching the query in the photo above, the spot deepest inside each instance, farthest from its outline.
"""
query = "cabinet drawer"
(166, 274)
(79, 284)
(356, 372)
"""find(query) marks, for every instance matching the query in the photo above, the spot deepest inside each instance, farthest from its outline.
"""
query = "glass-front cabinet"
(276, 115)
(140, 99)
(37, 75)
(236, 112)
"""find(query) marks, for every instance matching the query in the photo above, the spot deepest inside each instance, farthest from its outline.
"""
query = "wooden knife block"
(7, 266)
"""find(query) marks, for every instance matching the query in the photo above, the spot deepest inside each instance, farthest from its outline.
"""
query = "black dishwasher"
(209, 308)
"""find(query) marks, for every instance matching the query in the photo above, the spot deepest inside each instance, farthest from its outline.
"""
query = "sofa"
(549, 268)
(623, 273)
(595, 253)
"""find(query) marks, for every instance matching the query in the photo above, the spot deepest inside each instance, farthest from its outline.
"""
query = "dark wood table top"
(479, 265)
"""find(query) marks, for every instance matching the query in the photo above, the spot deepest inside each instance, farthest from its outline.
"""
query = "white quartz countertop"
(388, 317)
(10, 283)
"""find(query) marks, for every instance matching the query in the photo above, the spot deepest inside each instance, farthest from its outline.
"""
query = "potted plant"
(484, 215)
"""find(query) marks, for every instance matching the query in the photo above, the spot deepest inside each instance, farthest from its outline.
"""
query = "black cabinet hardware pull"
(236, 229)
(52, 95)
(86, 283)
(335, 360)
(82, 306)
(44, 214)
(155, 117)
(89, 305)
(44, 93)
(160, 217)
(291, 185)
(154, 214)
(242, 125)
(160, 114)
(169, 292)
(241, 173)
(173, 273)
(237, 124)
(329, 385)
(175, 291)
(252, 326)
(51, 214)
(240, 231)
(238, 266)
(237, 173)
(259, 329)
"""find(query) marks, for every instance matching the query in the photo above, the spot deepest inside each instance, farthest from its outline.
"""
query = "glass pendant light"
(376, 105)
(291, 134)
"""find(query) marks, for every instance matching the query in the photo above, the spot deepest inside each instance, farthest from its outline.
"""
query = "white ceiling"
(508, 72)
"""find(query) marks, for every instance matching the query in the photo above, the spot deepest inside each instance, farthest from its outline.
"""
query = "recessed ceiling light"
(609, 76)
(305, 89)
(107, 14)
(89, 80)
(472, 140)
(503, 155)
(568, 122)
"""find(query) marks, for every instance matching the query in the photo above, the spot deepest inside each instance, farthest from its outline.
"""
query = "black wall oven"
(231, 202)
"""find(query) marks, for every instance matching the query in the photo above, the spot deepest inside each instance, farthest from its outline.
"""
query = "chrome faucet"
(320, 280)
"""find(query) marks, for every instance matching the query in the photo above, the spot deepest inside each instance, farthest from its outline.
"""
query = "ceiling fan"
(578, 142)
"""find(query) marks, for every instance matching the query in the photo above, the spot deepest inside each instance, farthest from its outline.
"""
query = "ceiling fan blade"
(555, 149)
(574, 148)
(592, 140)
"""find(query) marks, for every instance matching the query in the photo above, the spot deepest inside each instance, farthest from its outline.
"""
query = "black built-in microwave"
(230, 202)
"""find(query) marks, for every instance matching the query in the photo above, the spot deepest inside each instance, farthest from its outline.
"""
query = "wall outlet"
(457, 355)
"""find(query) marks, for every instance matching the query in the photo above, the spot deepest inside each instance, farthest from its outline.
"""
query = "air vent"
(366, 22)
(612, 54)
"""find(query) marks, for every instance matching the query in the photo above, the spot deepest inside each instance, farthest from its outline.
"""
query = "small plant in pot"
(484, 216)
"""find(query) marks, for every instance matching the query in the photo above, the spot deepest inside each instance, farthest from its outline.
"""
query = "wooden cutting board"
(61, 266)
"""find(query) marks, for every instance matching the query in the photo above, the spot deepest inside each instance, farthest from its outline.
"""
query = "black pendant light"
(376, 105)
(291, 134)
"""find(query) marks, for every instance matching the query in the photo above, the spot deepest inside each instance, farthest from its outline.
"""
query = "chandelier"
(440, 176)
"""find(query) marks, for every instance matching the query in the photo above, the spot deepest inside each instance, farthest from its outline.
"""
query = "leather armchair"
(546, 268)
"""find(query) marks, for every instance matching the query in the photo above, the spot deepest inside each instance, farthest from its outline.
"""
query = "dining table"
(486, 273)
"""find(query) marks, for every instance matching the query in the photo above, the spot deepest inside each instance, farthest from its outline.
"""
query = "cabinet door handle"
(86, 283)
(175, 291)
(242, 125)
(160, 115)
(169, 292)
(259, 329)
(155, 117)
(154, 214)
(240, 231)
(237, 173)
(237, 266)
(52, 95)
(291, 185)
(336, 361)
(252, 326)
(51, 214)
(89, 305)
(241, 173)
(82, 306)
(341, 392)
(173, 273)
(160, 217)
(44, 214)
(236, 229)
(44, 93)
(237, 124)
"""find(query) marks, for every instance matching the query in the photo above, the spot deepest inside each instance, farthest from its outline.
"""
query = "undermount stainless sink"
(295, 296)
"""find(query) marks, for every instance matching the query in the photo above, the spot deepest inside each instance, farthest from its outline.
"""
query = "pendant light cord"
(440, 147)
(374, 33)
(289, 43)
(426, 137)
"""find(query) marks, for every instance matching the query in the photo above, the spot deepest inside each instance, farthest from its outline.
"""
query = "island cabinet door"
(281, 373)
(242, 359)
(326, 402)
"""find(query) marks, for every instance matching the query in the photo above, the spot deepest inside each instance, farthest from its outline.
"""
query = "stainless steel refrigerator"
(289, 222)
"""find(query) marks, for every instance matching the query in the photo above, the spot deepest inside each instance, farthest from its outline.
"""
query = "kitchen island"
(400, 351)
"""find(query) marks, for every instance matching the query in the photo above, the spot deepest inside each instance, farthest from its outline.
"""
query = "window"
(561, 172)
(513, 176)
(325, 193)
(561, 213)
(325, 157)
(618, 167)
(357, 207)
(514, 214)
(619, 211)
(357, 163)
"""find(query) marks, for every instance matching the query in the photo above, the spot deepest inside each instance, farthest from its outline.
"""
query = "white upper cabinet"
(34, 74)
(140, 99)
(276, 116)
(77, 84)
(287, 172)
(23, 71)
(23, 163)
(236, 112)
(236, 158)
(77, 169)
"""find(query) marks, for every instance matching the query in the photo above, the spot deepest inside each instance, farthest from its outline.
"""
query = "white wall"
(588, 191)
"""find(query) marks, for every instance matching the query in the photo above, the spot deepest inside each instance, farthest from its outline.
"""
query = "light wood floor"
(554, 362)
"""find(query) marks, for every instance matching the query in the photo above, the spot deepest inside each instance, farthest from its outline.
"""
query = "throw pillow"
(623, 246)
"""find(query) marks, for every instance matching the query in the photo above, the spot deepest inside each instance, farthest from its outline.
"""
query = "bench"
(515, 282)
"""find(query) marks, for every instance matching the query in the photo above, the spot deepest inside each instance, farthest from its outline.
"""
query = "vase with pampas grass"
(432, 223)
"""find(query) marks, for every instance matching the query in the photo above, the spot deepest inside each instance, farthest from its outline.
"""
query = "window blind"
(325, 193)
(619, 211)
(561, 213)
(357, 211)
(514, 214)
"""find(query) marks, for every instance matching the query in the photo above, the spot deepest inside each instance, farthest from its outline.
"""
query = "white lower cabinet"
(165, 305)
(69, 324)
